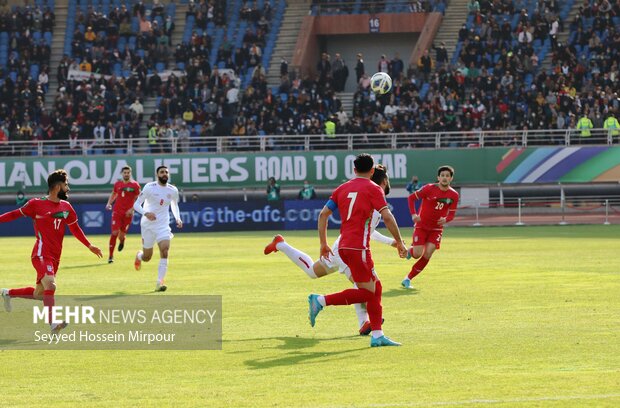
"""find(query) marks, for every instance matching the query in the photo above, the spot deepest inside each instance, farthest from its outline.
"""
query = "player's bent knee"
(369, 286)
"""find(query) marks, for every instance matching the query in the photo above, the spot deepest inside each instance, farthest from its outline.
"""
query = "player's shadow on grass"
(84, 266)
(296, 356)
(114, 294)
(399, 292)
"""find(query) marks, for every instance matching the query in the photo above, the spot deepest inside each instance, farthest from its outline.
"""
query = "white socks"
(162, 269)
(360, 311)
(302, 260)
(376, 334)
(139, 256)
(321, 300)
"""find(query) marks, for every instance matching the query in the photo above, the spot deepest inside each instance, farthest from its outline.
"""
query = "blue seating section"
(104, 6)
(37, 36)
(541, 48)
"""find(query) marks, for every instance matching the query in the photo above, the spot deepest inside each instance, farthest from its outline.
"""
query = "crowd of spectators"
(25, 37)
(494, 82)
(126, 39)
(205, 101)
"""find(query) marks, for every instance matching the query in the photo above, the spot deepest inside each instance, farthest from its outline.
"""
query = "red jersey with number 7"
(50, 221)
(126, 194)
(436, 203)
(356, 200)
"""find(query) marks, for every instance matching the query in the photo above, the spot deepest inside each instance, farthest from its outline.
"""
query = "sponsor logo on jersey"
(445, 200)
(61, 214)
(128, 189)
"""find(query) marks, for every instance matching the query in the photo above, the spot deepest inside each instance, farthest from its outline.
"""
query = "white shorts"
(334, 263)
(155, 233)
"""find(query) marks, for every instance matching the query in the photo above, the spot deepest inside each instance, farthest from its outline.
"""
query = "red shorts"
(359, 262)
(44, 266)
(423, 236)
(120, 222)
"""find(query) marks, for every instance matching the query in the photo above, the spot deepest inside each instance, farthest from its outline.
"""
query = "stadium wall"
(307, 50)
(581, 164)
(215, 216)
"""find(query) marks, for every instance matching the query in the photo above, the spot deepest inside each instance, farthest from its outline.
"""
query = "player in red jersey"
(356, 200)
(123, 196)
(439, 203)
(50, 215)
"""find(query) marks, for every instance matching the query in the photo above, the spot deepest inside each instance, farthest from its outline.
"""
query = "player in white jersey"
(154, 203)
(326, 266)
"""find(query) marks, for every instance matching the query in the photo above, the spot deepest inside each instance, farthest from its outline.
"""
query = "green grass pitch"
(520, 316)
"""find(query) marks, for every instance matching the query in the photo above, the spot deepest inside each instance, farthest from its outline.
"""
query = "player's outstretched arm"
(79, 234)
(379, 237)
(392, 226)
(11, 215)
(325, 250)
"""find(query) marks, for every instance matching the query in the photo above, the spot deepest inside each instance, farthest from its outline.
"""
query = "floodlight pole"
(563, 205)
(606, 213)
(477, 223)
(519, 222)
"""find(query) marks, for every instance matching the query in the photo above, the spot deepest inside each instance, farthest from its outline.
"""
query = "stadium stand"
(25, 39)
(493, 81)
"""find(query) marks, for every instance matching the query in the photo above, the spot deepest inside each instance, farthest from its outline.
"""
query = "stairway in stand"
(57, 50)
(295, 12)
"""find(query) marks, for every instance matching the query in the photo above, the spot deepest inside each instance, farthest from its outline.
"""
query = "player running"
(158, 198)
(50, 215)
(439, 203)
(355, 200)
(123, 196)
(324, 267)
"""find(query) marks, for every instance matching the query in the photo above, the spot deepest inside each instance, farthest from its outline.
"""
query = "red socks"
(112, 244)
(374, 308)
(348, 297)
(418, 267)
(25, 293)
(352, 296)
(48, 301)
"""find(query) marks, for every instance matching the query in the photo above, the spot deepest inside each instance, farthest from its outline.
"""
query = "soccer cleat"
(137, 263)
(409, 253)
(406, 283)
(383, 341)
(365, 329)
(160, 287)
(57, 327)
(7, 300)
(314, 307)
(110, 260)
(272, 246)
(121, 245)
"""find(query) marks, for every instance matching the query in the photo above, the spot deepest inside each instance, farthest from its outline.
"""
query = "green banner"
(251, 169)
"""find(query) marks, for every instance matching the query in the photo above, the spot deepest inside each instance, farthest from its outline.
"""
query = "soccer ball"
(381, 83)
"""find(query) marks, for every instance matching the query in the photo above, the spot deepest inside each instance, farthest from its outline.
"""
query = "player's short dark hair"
(445, 168)
(126, 168)
(380, 175)
(160, 167)
(363, 163)
(57, 177)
